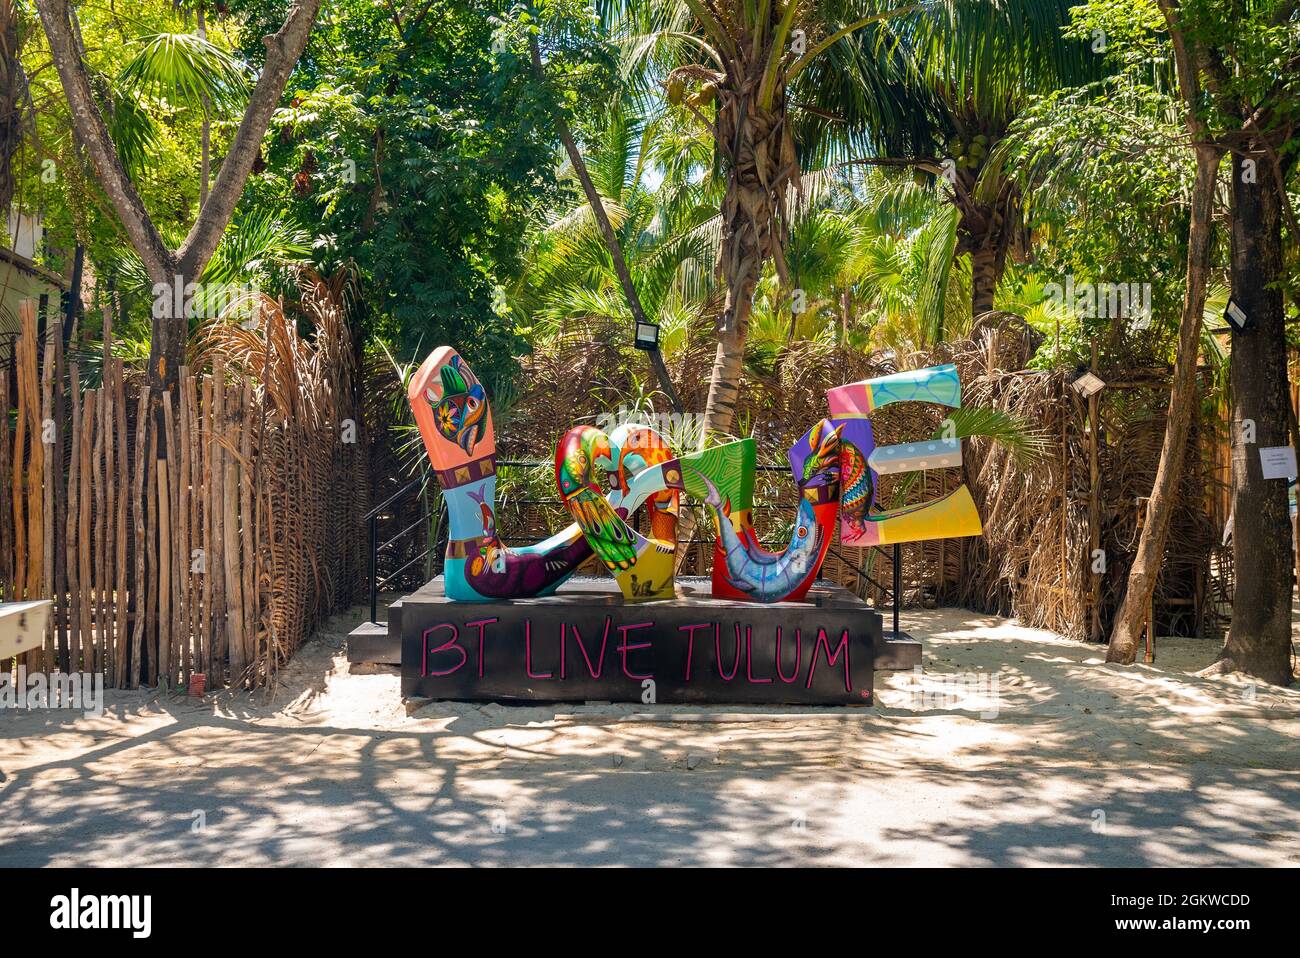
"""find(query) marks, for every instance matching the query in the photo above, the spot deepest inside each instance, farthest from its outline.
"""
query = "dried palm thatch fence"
(1060, 529)
(203, 531)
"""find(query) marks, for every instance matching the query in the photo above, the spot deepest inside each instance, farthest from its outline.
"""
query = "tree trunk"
(13, 83)
(1259, 639)
(1182, 404)
(724, 380)
(169, 331)
(759, 155)
(983, 280)
(606, 230)
(170, 269)
(741, 257)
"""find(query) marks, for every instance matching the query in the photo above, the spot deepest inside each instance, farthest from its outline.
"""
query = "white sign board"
(1087, 384)
(1278, 462)
(22, 626)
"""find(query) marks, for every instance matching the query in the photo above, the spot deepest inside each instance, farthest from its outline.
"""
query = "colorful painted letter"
(643, 568)
(455, 421)
(862, 462)
(742, 568)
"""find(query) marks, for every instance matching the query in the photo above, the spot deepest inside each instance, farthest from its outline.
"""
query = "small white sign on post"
(1278, 462)
(1088, 384)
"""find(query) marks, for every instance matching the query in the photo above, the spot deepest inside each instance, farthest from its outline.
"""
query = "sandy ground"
(1066, 761)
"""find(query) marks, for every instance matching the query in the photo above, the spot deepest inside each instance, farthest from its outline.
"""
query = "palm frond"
(185, 68)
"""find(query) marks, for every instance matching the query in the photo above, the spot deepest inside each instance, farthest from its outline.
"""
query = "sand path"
(1066, 761)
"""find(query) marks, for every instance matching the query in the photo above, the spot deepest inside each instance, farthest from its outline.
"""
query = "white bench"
(22, 626)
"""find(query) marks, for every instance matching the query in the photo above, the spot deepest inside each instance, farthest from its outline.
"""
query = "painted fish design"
(767, 576)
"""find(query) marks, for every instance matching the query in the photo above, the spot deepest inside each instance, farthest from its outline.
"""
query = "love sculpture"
(510, 621)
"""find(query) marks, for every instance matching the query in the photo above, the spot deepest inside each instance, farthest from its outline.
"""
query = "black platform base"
(584, 643)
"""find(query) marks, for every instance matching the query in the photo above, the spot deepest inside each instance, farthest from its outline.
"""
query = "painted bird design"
(461, 414)
(855, 482)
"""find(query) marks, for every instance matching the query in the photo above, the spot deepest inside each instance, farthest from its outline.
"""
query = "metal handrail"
(417, 481)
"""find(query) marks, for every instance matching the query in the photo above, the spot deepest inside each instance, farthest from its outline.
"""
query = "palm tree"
(665, 230)
(192, 72)
(877, 248)
(784, 85)
(975, 66)
(736, 65)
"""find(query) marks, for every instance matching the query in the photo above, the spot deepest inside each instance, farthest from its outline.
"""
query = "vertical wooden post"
(164, 516)
(73, 516)
(216, 503)
(19, 579)
(231, 540)
(59, 545)
(109, 558)
(942, 585)
(204, 466)
(99, 600)
(6, 540)
(195, 540)
(170, 535)
(153, 583)
(52, 474)
(86, 572)
(186, 579)
(1094, 507)
(139, 590)
(247, 515)
(121, 602)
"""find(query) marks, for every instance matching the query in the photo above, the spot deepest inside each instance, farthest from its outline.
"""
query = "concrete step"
(371, 642)
(897, 652)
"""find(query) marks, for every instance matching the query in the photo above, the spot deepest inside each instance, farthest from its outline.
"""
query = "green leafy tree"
(421, 150)
(182, 69)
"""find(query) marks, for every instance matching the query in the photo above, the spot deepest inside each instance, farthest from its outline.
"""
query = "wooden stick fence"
(205, 530)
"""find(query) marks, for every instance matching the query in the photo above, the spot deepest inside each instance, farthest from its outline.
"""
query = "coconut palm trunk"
(984, 280)
(758, 152)
(606, 229)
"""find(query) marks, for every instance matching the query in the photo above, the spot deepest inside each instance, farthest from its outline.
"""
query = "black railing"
(395, 501)
(372, 521)
(896, 589)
